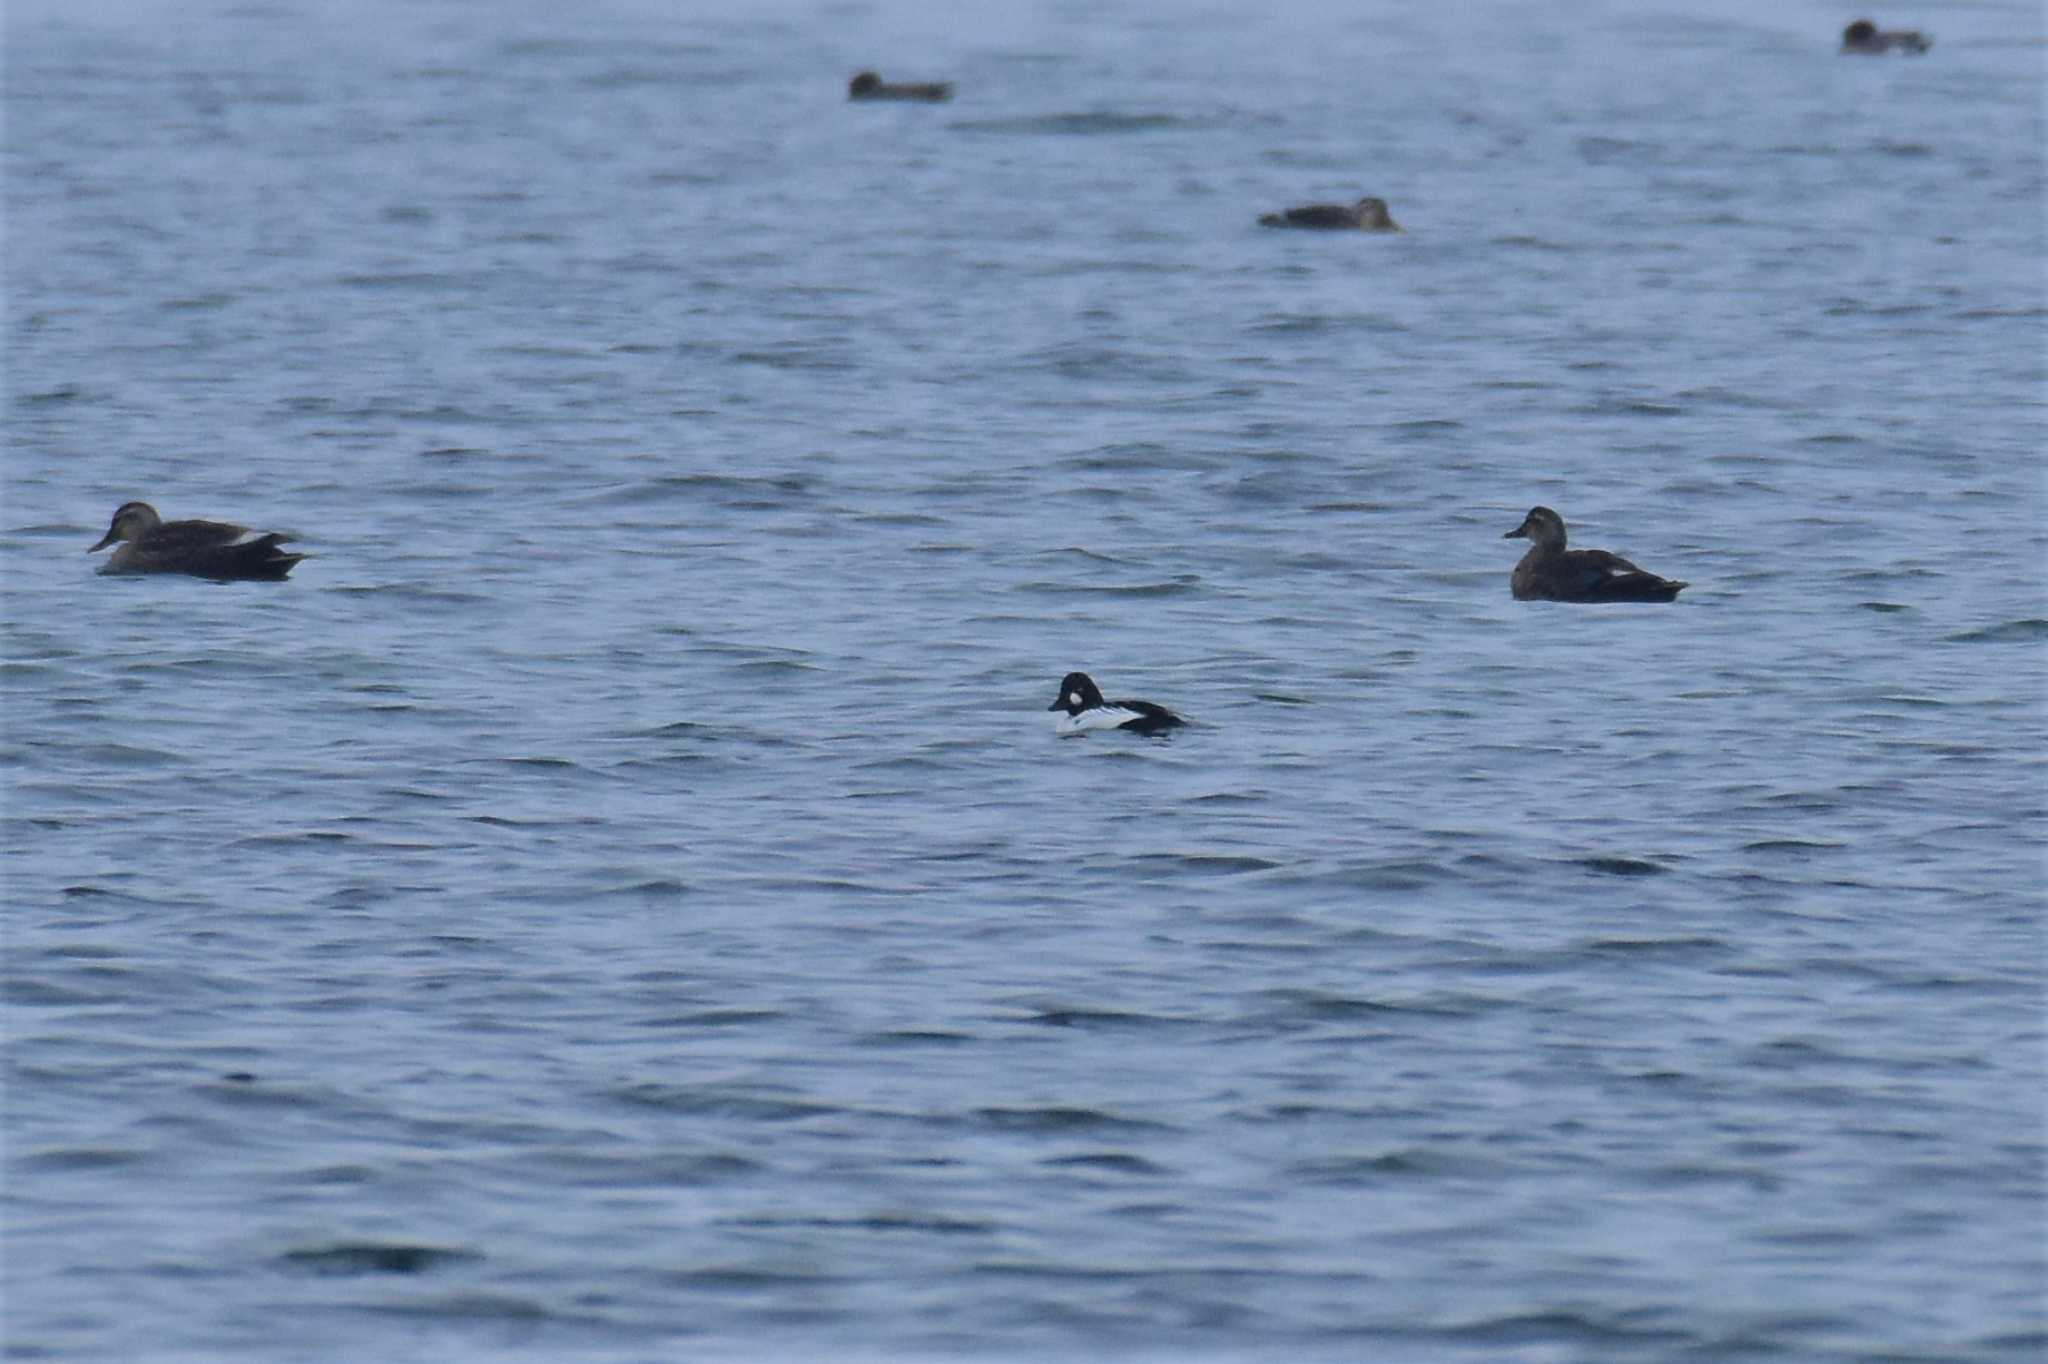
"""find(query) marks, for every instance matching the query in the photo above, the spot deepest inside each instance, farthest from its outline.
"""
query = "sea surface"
(623, 898)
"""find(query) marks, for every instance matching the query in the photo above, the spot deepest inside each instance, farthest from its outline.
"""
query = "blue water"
(623, 899)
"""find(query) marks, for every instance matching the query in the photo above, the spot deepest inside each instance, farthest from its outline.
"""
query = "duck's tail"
(1638, 586)
(1662, 589)
(262, 560)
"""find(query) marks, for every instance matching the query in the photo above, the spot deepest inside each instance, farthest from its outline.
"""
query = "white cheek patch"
(1074, 699)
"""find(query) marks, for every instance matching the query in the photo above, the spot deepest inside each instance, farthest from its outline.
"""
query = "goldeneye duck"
(1084, 708)
(868, 85)
(204, 549)
(1550, 572)
(1866, 39)
(1368, 214)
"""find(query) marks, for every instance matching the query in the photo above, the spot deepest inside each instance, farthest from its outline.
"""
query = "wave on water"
(373, 1257)
(1086, 125)
(2012, 632)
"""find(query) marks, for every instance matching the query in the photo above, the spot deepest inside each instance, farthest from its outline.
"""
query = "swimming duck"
(867, 85)
(204, 549)
(1084, 708)
(1864, 38)
(1368, 214)
(1550, 572)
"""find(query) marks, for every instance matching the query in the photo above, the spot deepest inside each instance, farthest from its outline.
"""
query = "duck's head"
(131, 521)
(1077, 692)
(1541, 525)
(1859, 34)
(1372, 212)
(865, 82)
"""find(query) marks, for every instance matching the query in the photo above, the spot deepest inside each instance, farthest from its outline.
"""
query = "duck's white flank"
(1095, 717)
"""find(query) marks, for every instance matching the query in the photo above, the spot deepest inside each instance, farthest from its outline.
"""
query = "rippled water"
(623, 899)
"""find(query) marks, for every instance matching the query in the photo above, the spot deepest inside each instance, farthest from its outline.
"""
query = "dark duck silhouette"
(1866, 39)
(203, 549)
(1368, 214)
(867, 85)
(1550, 572)
(1084, 709)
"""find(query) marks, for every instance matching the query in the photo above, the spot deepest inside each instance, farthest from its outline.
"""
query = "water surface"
(623, 900)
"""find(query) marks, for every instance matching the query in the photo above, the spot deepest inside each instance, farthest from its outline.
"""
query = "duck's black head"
(863, 83)
(1077, 693)
(1859, 33)
(131, 519)
(1542, 525)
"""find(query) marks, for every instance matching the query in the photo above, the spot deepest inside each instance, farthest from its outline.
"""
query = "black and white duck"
(1083, 708)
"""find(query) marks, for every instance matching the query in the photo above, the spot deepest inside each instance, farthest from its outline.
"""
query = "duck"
(1863, 38)
(867, 85)
(204, 549)
(1550, 572)
(1084, 709)
(1368, 214)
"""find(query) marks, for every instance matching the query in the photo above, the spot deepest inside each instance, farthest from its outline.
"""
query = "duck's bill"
(105, 540)
(1517, 533)
(1057, 705)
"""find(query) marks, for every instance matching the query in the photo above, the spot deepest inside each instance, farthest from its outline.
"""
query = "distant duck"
(204, 549)
(1368, 214)
(1550, 572)
(1866, 39)
(867, 85)
(1084, 708)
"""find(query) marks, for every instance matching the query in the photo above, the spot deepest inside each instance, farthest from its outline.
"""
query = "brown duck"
(203, 549)
(1865, 39)
(1367, 215)
(867, 85)
(1550, 572)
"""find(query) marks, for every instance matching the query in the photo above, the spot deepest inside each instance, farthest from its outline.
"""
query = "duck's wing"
(1599, 561)
(238, 555)
(1596, 575)
(257, 560)
(931, 92)
(1313, 215)
(174, 537)
(1147, 717)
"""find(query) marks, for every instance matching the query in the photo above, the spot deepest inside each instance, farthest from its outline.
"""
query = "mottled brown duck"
(1367, 215)
(867, 85)
(1550, 572)
(202, 549)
